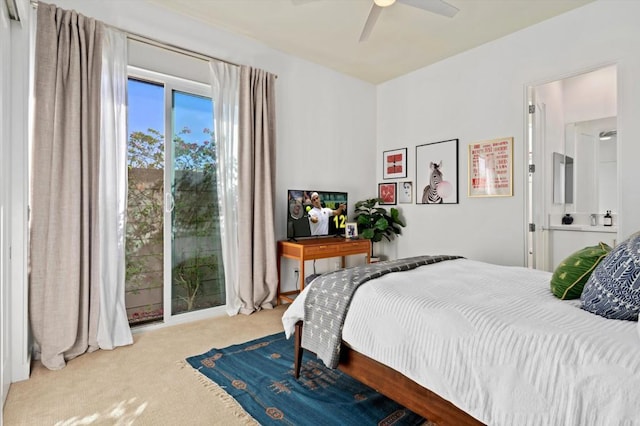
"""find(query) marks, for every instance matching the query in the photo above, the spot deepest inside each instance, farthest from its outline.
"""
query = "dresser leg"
(298, 350)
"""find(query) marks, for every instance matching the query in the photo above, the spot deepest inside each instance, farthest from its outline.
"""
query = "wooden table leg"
(279, 280)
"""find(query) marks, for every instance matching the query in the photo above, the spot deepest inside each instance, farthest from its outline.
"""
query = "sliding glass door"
(197, 275)
(145, 195)
(174, 262)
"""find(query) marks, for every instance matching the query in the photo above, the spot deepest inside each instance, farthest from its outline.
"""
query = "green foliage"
(375, 222)
(146, 150)
(190, 274)
(193, 155)
(195, 212)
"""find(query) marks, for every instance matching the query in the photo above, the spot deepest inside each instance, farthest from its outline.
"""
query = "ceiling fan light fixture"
(384, 3)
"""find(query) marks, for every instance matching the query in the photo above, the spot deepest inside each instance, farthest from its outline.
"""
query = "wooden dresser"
(317, 248)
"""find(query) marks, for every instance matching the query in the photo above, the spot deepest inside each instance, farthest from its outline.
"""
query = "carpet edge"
(227, 400)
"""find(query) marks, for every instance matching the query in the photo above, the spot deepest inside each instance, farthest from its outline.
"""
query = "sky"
(146, 110)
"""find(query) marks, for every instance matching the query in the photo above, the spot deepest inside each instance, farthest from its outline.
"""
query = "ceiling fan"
(439, 7)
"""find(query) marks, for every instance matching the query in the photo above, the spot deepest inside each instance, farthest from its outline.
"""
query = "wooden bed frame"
(393, 384)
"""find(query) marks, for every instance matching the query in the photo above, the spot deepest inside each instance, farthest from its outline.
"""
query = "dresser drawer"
(355, 246)
(323, 250)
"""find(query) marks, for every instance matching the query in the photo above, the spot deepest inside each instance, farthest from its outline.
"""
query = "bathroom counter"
(584, 228)
(567, 239)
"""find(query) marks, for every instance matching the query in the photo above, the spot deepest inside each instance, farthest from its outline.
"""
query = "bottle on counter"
(608, 219)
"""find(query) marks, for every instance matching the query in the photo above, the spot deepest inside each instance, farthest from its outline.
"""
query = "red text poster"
(491, 168)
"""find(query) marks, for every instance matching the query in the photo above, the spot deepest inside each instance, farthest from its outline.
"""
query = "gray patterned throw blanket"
(329, 297)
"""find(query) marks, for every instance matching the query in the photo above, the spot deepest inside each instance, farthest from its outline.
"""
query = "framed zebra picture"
(437, 172)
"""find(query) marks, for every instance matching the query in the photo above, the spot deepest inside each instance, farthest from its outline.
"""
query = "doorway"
(572, 140)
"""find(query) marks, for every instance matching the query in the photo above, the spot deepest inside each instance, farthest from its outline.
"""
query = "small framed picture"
(394, 163)
(351, 230)
(405, 193)
(387, 192)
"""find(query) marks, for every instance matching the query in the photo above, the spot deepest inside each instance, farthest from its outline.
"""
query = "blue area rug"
(259, 376)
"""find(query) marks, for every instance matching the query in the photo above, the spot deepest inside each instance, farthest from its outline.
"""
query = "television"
(306, 219)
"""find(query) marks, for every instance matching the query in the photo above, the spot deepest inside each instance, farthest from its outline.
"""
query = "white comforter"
(495, 342)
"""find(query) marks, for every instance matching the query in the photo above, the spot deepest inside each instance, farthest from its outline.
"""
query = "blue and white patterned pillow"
(613, 290)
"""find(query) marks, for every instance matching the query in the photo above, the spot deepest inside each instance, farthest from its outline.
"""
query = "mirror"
(562, 179)
(592, 147)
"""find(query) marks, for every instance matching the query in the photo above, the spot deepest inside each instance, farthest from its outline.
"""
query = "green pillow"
(571, 275)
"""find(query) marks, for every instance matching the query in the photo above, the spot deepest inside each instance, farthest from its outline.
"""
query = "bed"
(466, 342)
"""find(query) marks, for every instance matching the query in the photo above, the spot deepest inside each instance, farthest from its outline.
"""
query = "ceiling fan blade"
(371, 21)
(438, 7)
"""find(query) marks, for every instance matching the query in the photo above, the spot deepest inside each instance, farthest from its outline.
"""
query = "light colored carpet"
(147, 383)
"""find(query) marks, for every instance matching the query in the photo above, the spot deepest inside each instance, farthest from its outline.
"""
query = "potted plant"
(375, 222)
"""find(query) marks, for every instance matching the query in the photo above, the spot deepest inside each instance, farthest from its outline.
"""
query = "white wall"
(480, 94)
(590, 96)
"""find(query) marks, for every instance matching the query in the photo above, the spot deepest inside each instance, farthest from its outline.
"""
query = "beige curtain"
(64, 250)
(257, 273)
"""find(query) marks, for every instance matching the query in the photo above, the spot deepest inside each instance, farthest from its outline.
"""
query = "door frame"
(5, 177)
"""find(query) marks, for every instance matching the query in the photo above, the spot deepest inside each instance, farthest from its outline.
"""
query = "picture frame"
(387, 192)
(490, 169)
(405, 192)
(437, 172)
(351, 230)
(394, 164)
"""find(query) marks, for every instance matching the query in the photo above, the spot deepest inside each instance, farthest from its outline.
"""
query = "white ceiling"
(404, 38)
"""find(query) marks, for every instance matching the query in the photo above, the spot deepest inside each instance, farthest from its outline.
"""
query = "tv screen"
(313, 213)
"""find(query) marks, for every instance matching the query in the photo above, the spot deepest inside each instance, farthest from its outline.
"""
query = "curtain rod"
(174, 48)
(160, 44)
